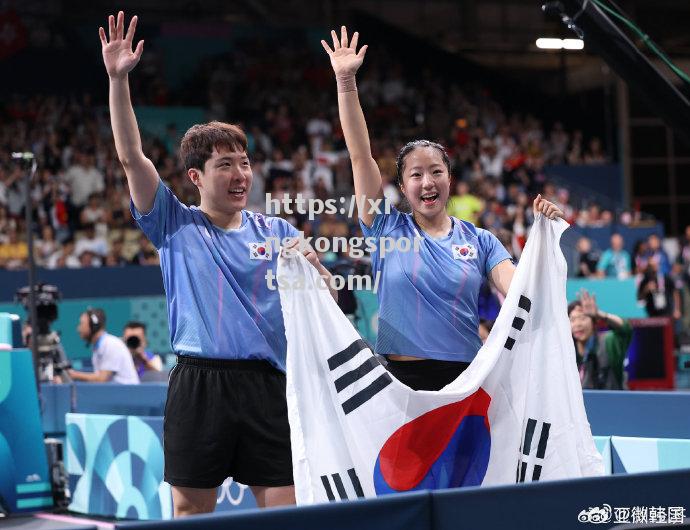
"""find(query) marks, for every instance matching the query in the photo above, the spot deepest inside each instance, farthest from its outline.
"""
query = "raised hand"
(589, 303)
(345, 59)
(118, 57)
(549, 209)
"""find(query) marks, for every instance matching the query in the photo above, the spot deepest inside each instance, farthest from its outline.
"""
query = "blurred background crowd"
(285, 99)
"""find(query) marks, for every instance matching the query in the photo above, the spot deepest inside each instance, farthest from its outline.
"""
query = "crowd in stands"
(663, 281)
(286, 103)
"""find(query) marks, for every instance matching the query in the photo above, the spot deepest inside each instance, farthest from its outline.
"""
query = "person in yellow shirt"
(463, 205)
(13, 253)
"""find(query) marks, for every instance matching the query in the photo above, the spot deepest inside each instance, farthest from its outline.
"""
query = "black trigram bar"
(340, 487)
(518, 323)
(347, 354)
(510, 342)
(367, 393)
(355, 482)
(523, 469)
(353, 375)
(529, 432)
(327, 487)
(527, 448)
(525, 303)
(543, 439)
(536, 473)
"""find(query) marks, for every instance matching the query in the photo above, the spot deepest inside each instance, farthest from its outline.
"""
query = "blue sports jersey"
(219, 303)
(428, 299)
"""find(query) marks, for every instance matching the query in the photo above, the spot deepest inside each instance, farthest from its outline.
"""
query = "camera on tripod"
(52, 360)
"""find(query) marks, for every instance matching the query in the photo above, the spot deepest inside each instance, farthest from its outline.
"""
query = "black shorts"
(428, 374)
(226, 418)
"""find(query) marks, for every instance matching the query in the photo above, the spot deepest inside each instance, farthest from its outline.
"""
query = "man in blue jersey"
(226, 412)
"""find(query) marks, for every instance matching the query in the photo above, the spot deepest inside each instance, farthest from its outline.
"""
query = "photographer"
(111, 359)
(134, 336)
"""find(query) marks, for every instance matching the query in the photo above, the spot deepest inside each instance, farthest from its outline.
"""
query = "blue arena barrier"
(641, 414)
(392, 512)
(56, 401)
(559, 504)
(610, 413)
(146, 399)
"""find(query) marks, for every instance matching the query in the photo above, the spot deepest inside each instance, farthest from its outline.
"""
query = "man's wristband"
(346, 84)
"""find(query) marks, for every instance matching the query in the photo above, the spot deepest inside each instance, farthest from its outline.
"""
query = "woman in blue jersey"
(428, 322)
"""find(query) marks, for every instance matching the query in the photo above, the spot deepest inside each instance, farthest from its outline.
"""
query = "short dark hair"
(578, 303)
(133, 324)
(96, 317)
(411, 146)
(198, 142)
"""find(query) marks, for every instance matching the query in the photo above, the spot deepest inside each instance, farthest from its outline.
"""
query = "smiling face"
(425, 181)
(581, 325)
(215, 157)
(225, 181)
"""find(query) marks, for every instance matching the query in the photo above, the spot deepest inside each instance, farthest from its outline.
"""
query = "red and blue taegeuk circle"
(447, 447)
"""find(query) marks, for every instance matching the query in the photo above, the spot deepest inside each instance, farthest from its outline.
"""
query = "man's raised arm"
(119, 60)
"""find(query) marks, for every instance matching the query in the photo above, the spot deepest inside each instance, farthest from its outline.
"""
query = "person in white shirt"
(92, 242)
(111, 359)
(84, 178)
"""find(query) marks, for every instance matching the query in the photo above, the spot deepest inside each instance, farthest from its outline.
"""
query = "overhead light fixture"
(559, 44)
(573, 44)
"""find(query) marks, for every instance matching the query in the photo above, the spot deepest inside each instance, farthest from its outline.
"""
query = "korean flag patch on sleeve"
(260, 251)
(465, 251)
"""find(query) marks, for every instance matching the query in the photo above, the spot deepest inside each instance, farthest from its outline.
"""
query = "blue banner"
(24, 479)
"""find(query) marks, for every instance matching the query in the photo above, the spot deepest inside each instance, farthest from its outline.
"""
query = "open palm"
(345, 59)
(118, 57)
(589, 303)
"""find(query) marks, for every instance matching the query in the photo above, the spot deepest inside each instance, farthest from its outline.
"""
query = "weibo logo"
(447, 447)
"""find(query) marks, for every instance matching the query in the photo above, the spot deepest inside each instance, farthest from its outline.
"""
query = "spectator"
(111, 359)
(600, 357)
(147, 254)
(115, 257)
(658, 255)
(88, 258)
(464, 205)
(659, 293)
(14, 253)
(615, 261)
(64, 257)
(46, 246)
(91, 242)
(683, 273)
(575, 151)
(94, 213)
(145, 360)
(640, 256)
(587, 258)
(594, 153)
(84, 178)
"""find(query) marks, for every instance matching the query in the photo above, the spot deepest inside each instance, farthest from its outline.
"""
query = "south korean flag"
(465, 251)
(515, 415)
(261, 251)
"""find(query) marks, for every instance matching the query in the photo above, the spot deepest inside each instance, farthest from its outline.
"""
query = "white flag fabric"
(515, 415)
